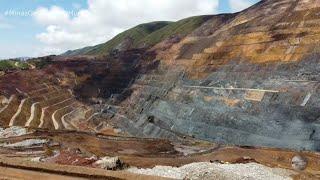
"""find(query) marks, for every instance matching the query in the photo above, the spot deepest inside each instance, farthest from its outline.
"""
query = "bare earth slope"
(255, 82)
(240, 88)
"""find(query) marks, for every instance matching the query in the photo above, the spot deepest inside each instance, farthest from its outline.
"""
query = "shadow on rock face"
(113, 79)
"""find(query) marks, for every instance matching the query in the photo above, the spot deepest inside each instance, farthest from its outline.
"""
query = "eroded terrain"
(244, 89)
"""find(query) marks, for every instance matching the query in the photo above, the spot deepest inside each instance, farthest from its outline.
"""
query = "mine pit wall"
(253, 82)
(269, 97)
(274, 105)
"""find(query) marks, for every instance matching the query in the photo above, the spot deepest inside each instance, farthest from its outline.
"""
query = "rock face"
(63, 95)
(254, 81)
(248, 79)
(125, 44)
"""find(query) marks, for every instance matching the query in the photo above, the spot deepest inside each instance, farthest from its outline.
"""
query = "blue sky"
(19, 31)
(41, 27)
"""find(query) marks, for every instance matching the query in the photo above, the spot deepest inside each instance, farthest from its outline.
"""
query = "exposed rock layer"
(250, 79)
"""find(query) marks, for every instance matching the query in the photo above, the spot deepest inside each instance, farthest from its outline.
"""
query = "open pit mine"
(238, 97)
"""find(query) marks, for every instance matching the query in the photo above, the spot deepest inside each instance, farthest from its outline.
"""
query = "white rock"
(36, 159)
(94, 157)
(250, 171)
(12, 132)
(4, 100)
(110, 163)
(26, 143)
(299, 163)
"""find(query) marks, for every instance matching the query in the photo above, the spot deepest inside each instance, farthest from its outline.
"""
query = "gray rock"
(299, 163)
(110, 163)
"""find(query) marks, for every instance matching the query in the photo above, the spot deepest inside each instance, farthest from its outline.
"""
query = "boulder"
(3, 100)
(299, 163)
(110, 163)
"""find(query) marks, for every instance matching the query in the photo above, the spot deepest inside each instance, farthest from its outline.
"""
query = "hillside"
(236, 90)
(12, 65)
(180, 28)
(135, 34)
(145, 35)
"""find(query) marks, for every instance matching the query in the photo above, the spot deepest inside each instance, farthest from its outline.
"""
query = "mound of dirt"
(217, 171)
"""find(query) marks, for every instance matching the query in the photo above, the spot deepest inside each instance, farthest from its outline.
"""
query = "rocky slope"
(146, 35)
(249, 79)
(127, 40)
(254, 81)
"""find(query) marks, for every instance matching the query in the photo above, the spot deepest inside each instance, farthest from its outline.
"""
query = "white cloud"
(14, 49)
(53, 16)
(105, 18)
(239, 5)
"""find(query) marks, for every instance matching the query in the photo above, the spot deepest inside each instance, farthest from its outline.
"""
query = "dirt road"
(13, 173)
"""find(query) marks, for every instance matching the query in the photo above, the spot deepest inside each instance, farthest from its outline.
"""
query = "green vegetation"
(147, 34)
(40, 63)
(136, 33)
(182, 28)
(12, 64)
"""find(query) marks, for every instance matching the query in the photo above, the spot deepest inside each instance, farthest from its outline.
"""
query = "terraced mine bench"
(45, 106)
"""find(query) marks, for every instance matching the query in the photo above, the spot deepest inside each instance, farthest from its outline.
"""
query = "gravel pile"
(12, 132)
(26, 143)
(250, 171)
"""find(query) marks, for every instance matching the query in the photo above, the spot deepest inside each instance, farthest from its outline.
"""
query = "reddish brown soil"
(148, 153)
(18, 168)
(71, 157)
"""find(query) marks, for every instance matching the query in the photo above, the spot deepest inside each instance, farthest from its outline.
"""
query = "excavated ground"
(254, 82)
(77, 128)
(251, 84)
(78, 149)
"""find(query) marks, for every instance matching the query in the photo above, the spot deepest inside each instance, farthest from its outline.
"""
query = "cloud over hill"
(104, 19)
